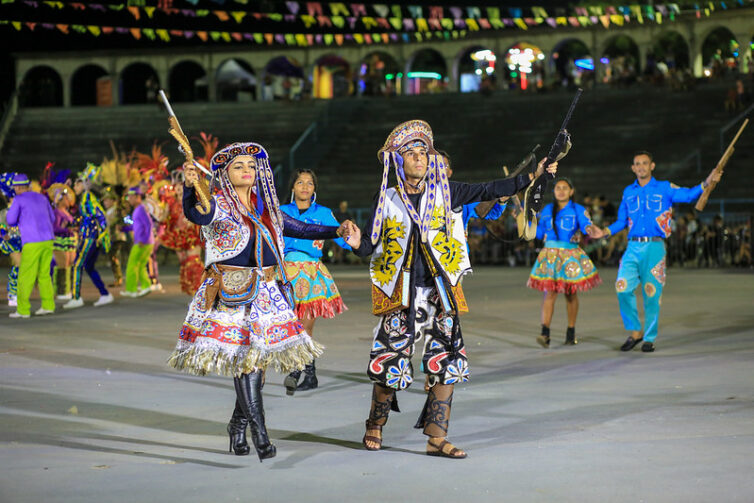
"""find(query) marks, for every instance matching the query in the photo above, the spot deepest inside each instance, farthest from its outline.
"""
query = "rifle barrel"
(570, 110)
(165, 102)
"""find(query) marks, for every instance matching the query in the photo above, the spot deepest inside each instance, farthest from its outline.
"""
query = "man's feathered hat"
(404, 137)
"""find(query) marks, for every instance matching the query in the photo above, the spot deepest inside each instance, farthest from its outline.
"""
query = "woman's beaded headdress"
(405, 136)
(265, 183)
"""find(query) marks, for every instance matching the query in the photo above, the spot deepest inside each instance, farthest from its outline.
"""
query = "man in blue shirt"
(469, 210)
(646, 209)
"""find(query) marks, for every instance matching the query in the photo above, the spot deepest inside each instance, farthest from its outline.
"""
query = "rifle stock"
(702, 201)
(200, 186)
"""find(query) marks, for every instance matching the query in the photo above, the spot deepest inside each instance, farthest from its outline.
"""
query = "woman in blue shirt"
(562, 267)
(314, 290)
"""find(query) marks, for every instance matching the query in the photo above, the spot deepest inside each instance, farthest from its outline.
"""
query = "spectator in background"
(32, 213)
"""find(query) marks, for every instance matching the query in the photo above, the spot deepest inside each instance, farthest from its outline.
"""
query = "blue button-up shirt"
(469, 212)
(571, 218)
(647, 211)
(315, 214)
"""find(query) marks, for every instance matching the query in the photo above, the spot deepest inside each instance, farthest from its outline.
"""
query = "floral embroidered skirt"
(563, 267)
(314, 290)
(234, 340)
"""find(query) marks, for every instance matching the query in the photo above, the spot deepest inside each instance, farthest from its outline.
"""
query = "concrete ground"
(90, 412)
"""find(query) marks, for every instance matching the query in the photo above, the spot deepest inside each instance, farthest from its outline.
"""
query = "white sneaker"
(66, 296)
(12, 302)
(74, 303)
(143, 292)
(16, 314)
(104, 299)
(42, 311)
(157, 287)
(126, 293)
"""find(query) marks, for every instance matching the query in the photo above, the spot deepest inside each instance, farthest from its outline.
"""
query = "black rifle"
(560, 147)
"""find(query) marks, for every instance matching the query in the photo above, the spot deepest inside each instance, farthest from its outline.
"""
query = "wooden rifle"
(702, 201)
(200, 186)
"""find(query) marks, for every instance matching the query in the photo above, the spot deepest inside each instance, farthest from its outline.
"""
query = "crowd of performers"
(262, 284)
(76, 217)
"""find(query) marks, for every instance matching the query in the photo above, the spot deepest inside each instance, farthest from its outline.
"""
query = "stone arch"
(524, 64)
(572, 61)
(187, 82)
(719, 51)
(41, 87)
(426, 71)
(84, 89)
(276, 72)
(475, 67)
(621, 59)
(671, 47)
(379, 74)
(331, 77)
(236, 80)
(139, 83)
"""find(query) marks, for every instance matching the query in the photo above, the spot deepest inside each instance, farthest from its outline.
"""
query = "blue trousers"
(86, 257)
(12, 282)
(642, 264)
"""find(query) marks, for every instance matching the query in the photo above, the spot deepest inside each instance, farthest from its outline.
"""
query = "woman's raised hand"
(190, 176)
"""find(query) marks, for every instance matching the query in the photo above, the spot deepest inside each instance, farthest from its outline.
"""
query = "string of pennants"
(289, 39)
(386, 23)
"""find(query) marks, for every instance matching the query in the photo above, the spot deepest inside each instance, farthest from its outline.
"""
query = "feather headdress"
(403, 137)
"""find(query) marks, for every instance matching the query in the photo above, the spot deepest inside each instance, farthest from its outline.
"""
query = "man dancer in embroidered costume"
(419, 254)
(314, 290)
(92, 235)
(646, 209)
(241, 319)
(10, 238)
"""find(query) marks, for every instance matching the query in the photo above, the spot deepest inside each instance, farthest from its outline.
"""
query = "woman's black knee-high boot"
(237, 432)
(249, 395)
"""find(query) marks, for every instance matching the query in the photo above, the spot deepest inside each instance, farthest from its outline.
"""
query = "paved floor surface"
(90, 412)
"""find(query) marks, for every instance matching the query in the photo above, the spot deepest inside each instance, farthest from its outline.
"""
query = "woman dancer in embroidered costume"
(10, 238)
(92, 234)
(64, 245)
(562, 267)
(314, 290)
(183, 237)
(57, 185)
(419, 255)
(241, 320)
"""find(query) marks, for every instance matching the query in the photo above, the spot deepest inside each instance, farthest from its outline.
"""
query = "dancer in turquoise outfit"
(562, 267)
(314, 290)
(646, 209)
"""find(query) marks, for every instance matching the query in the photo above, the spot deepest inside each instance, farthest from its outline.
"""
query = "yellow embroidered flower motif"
(438, 216)
(451, 251)
(384, 267)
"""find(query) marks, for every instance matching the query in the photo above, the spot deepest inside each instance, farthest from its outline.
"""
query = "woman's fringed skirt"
(314, 290)
(234, 340)
(563, 267)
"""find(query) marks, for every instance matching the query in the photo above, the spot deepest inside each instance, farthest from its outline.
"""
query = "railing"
(696, 155)
(318, 138)
(722, 202)
(10, 113)
(735, 122)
